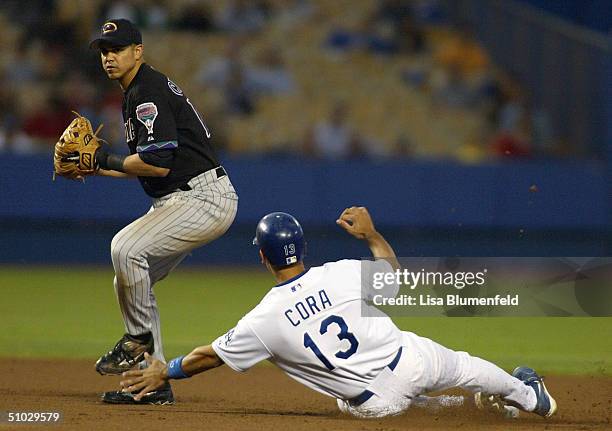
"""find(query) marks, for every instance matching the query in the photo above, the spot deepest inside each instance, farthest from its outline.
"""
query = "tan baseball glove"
(75, 152)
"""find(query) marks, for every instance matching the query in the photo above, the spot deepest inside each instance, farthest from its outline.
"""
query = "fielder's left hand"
(147, 380)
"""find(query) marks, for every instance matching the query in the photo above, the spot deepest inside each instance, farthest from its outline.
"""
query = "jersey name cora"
(310, 306)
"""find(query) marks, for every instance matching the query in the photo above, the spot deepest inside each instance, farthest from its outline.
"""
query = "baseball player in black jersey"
(194, 201)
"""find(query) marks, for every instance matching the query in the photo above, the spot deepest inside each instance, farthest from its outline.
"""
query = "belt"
(366, 395)
(220, 172)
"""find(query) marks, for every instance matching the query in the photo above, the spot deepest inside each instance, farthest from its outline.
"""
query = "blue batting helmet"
(280, 238)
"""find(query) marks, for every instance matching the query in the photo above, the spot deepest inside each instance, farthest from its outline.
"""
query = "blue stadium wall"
(425, 209)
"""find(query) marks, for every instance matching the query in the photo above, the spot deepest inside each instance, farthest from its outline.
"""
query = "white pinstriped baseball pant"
(146, 250)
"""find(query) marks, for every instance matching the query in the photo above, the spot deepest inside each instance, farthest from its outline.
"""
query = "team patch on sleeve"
(175, 88)
(146, 113)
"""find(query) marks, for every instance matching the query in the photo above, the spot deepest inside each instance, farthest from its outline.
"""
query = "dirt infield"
(263, 398)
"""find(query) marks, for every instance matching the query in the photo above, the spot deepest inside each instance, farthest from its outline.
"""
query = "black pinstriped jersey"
(166, 130)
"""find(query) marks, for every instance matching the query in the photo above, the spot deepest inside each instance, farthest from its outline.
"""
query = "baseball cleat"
(160, 397)
(126, 354)
(546, 405)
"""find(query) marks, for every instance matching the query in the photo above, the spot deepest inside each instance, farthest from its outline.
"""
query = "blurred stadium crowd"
(326, 79)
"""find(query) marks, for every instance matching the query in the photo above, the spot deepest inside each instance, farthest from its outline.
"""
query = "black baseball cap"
(117, 32)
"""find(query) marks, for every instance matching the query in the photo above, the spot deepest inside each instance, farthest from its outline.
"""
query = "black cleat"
(126, 354)
(160, 397)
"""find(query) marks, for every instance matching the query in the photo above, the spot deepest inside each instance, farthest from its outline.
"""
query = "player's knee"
(116, 249)
(124, 254)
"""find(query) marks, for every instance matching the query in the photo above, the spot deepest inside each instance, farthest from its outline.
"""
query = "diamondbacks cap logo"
(109, 27)
(146, 113)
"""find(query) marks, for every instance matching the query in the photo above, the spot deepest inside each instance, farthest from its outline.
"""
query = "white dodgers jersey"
(312, 327)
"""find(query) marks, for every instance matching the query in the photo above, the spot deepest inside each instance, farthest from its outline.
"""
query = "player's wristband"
(108, 161)
(175, 369)
(114, 162)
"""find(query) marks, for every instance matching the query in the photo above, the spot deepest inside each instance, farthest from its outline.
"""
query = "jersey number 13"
(344, 334)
